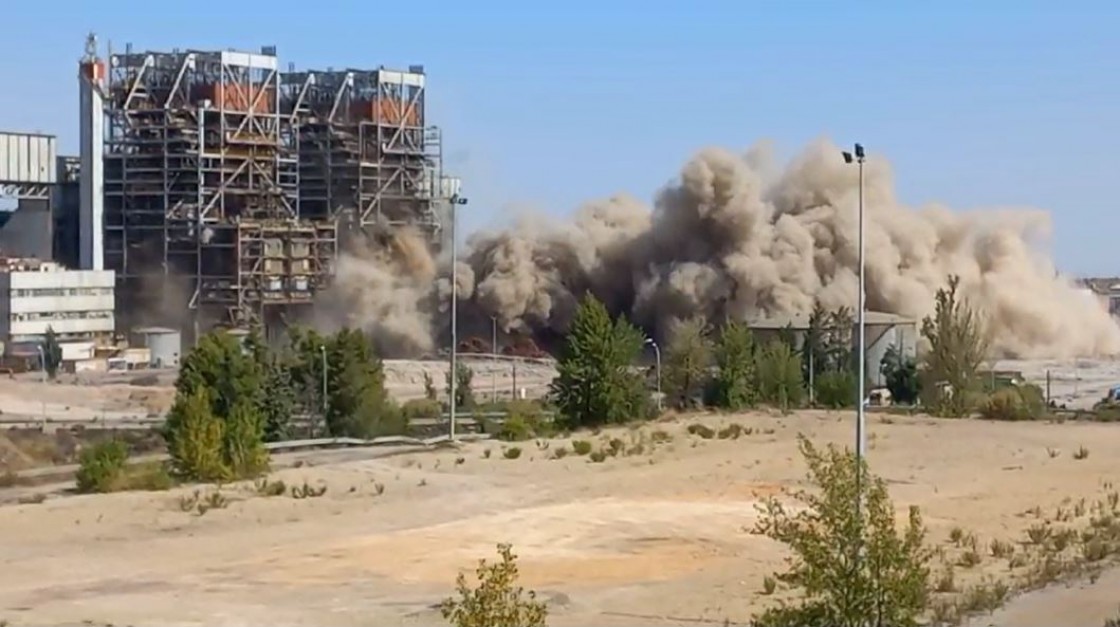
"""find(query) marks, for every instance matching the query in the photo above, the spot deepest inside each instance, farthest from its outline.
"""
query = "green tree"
(687, 358)
(497, 601)
(228, 372)
(357, 403)
(958, 345)
(464, 392)
(736, 384)
(852, 568)
(779, 375)
(901, 376)
(52, 354)
(243, 441)
(595, 384)
(306, 356)
(278, 399)
(196, 438)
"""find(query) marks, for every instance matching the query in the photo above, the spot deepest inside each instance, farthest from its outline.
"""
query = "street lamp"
(323, 355)
(861, 416)
(657, 356)
(43, 377)
(494, 359)
(456, 200)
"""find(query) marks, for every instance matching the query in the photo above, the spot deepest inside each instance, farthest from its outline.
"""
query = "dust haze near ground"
(734, 236)
(660, 537)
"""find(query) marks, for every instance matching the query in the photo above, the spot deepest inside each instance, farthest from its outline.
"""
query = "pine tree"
(594, 384)
(52, 353)
(195, 438)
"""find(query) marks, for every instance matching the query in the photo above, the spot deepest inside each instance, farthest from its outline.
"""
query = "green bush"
(1015, 403)
(837, 389)
(497, 600)
(421, 408)
(581, 447)
(850, 566)
(779, 376)
(102, 466)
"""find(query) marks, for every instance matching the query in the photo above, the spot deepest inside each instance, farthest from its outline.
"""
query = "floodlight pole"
(456, 200)
(857, 156)
(657, 356)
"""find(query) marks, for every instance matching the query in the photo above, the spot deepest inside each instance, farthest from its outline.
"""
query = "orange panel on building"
(237, 97)
(386, 111)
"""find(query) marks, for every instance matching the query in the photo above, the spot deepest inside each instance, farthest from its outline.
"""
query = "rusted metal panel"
(28, 158)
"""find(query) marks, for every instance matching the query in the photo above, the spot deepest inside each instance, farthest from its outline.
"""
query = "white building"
(35, 295)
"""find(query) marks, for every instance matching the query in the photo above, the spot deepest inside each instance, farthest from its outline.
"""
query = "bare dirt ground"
(659, 537)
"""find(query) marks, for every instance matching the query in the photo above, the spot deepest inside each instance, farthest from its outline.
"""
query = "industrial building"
(882, 332)
(39, 295)
(216, 188)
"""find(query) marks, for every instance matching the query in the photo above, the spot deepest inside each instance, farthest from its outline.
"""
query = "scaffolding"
(202, 189)
(365, 155)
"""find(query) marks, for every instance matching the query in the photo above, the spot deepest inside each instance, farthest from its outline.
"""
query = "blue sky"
(976, 104)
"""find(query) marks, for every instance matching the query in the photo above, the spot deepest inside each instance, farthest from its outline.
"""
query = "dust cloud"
(734, 236)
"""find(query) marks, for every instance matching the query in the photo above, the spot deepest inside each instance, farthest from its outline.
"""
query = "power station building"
(216, 189)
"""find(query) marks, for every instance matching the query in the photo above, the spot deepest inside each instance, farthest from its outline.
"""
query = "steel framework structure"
(365, 155)
(201, 188)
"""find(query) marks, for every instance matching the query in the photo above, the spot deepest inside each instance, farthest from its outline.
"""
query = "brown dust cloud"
(732, 236)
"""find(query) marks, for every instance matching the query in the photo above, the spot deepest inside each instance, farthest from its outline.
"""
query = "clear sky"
(977, 103)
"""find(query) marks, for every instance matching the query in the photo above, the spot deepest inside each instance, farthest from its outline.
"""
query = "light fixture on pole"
(861, 417)
(657, 356)
(456, 200)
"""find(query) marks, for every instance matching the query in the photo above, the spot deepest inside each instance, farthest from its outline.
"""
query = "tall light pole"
(456, 200)
(43, 378)
(861, 416)
(657, 356)
(323, 365)
(494, 359)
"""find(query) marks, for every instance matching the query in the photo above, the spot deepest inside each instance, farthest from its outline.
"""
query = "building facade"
(39, 295)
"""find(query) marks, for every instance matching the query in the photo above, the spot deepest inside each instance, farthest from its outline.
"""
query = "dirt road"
(655, 537)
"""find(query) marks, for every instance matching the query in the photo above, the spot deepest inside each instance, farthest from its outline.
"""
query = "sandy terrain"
(653, 538)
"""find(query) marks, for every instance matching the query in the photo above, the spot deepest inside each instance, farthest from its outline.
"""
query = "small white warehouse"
(36, 295)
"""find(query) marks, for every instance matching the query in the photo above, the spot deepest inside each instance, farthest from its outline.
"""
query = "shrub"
(421, 408)
(702, 431)
(852, 568)
(497, 600)
(512, 452)
(598, 457)
(779, 376)
(581, 447)
(1014, 403)
(102, 466)
(837, 389)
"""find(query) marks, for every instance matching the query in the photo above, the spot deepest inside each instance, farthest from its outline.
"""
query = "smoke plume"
(733, 236)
